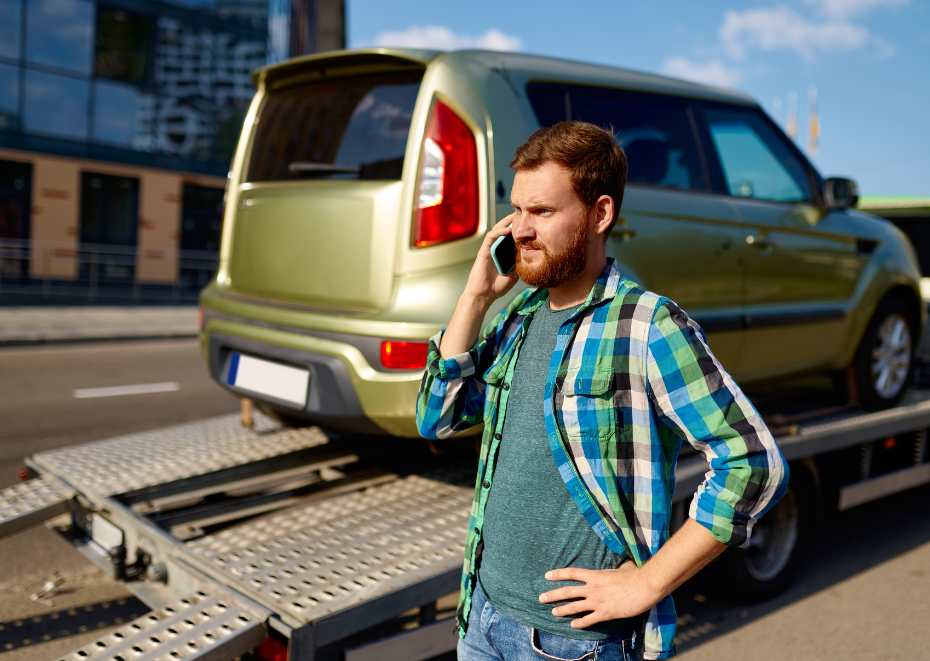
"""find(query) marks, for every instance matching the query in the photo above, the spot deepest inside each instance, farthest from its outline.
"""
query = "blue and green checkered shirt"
(630, 377)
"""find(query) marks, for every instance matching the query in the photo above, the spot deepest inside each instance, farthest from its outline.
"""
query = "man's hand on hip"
(627, 591)
(610, 594)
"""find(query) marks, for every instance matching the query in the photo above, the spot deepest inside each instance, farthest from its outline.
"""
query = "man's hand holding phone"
(485, 285)
(486, 280)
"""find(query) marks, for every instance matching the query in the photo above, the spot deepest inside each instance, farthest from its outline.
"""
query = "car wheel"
(766, 566)
(885, 355)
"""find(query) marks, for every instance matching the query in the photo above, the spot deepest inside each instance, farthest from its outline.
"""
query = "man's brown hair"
(596, 163)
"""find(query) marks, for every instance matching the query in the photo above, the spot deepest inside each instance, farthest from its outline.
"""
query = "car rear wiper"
(322, 168)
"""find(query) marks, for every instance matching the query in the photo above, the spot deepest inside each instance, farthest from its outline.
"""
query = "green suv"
(364, 181)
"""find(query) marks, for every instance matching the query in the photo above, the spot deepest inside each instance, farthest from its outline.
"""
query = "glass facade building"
(118, 119)
(132, 81)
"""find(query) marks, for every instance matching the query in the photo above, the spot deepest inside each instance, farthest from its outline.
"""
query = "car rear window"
(349, 128)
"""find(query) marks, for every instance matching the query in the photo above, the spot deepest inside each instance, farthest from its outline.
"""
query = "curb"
(25, 342)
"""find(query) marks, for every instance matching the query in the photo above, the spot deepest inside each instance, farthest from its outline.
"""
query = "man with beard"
(586, 386)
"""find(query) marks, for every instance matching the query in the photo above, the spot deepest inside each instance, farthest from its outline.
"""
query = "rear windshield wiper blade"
(323, 168)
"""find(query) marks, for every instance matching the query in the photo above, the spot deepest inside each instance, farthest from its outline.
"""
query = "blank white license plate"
(267, 378)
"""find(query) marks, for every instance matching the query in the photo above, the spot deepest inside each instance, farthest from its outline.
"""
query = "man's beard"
(556, 268)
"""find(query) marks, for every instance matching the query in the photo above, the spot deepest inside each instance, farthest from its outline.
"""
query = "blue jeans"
(492, 636)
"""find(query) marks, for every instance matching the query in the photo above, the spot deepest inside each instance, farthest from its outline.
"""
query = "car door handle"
(761, 244)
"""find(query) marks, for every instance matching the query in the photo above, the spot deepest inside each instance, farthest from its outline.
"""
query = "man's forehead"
(548, 184)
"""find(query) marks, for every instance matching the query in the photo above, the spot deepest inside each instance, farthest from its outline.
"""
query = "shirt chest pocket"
(587, 404)
(494, 377)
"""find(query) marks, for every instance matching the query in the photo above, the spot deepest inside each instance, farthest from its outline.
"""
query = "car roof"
(521, 66)
(550, 69)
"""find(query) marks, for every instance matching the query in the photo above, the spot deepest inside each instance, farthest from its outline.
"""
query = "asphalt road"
(38, 410)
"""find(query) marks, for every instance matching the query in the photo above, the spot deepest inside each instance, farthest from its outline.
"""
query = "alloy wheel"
(891, 354)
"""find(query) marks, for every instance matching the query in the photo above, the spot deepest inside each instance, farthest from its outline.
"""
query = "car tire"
(776, 546)
(885, 355)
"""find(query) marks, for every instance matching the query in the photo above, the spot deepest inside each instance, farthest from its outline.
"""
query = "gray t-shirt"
(531, 523)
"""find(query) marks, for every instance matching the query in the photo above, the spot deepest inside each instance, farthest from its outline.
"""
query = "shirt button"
(497, 437)
(486, 484)
(506, 386)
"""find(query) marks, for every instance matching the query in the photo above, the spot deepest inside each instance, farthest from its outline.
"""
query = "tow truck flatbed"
(313, 539)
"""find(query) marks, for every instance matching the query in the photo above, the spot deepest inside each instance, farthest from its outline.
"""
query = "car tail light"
(398, 355)
(272, 650)
(447, 186)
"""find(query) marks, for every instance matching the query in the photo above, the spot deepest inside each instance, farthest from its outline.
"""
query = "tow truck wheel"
(767, 565)
(883, 361)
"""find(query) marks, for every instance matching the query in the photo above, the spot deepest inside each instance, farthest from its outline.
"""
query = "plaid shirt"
(630, 377)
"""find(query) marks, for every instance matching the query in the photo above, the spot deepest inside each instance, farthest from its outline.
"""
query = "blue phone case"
(494, 247)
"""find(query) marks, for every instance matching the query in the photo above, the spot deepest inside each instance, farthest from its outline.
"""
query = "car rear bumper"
(345, 390)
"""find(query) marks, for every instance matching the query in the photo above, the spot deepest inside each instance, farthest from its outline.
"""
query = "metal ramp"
(345, 544)
(207, 624)
(146, 459)
(30, 503)
(135, 461)
(333, 568)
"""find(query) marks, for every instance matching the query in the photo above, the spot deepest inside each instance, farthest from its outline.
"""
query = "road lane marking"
(116, 391)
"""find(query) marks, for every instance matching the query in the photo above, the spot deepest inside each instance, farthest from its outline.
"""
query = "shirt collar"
(606, 287)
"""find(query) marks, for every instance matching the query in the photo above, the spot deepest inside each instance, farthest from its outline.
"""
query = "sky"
(867, 61)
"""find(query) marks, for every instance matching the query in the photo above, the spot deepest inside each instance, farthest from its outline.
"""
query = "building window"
(123, 46)
(201, 226)
(15, 200)
(9, 98)
(60, 33)
(123, 116)
(10, 22)
(56, 105)
(109, 219)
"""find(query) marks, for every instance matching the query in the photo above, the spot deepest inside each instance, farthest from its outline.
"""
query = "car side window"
(755, 160)
(551, 103)
(657, 136)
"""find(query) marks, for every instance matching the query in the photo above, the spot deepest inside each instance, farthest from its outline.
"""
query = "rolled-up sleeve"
(451, 396)
(699, 401)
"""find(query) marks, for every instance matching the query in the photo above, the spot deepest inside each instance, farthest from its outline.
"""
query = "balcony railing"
(37, 271)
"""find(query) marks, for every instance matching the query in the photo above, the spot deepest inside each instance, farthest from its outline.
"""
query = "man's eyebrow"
(535, 204)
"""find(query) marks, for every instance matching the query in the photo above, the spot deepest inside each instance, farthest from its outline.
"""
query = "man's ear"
(603, 211)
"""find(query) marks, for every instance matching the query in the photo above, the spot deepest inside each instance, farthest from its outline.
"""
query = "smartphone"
(504, 254)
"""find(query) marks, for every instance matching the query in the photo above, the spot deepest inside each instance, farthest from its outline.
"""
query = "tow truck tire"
(885, 355)
(776, 546)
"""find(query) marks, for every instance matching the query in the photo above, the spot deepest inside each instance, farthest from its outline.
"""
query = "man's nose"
(522, 229)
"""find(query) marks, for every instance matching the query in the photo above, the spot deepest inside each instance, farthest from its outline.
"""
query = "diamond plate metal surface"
(32, 502)
(135, 461)
(328, 555)
(204, 625)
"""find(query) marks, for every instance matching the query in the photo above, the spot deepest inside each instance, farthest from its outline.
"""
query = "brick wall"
(56, 214)
(159, 227)
(55, 217)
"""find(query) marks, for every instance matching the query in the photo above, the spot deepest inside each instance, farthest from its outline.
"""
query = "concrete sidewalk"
(39, 325)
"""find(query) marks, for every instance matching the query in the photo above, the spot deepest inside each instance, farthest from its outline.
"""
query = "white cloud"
(843, 8)
(781, 28)
(442, 38)
(713, 72)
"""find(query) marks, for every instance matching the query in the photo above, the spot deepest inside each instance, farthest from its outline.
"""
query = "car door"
(674, 236)
(801, 272)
